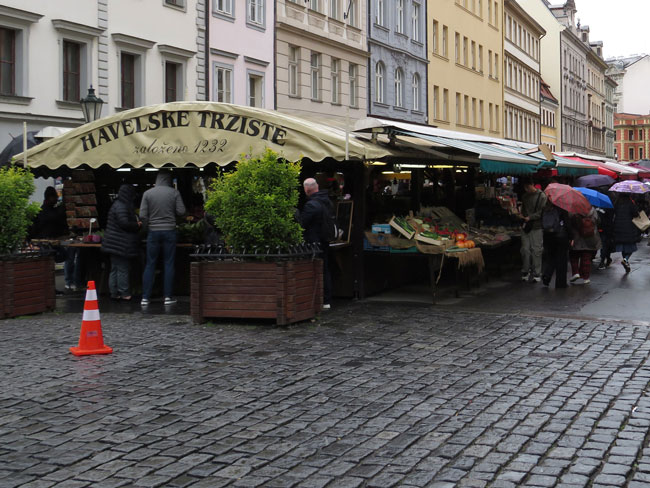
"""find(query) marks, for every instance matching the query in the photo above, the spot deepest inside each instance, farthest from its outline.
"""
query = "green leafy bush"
(255, 205)
(16, 213)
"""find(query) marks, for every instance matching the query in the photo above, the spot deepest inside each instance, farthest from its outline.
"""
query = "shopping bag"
(642, 221)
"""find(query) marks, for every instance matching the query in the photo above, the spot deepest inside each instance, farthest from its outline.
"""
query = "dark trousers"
(556, 255)
(158, 240)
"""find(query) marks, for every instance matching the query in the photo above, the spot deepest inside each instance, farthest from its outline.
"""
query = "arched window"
(416, 91)
(399, 89)
(379, 82)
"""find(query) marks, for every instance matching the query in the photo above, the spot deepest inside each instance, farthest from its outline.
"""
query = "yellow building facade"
(465, 78)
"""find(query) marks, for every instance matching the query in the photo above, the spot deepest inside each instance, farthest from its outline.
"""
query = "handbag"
(641, 221)
(527, 227)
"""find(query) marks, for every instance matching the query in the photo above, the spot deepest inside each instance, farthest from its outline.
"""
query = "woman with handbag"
(626, 234)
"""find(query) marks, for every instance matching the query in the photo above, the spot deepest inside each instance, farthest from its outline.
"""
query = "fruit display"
(401, 225)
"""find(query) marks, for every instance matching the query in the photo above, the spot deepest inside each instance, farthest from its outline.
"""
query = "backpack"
(586, 227)
(551, 220)
(329, 231)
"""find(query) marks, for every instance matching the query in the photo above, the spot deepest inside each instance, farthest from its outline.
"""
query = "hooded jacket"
(121, 236)
(161, 205)
(311, 217)
(625, 232)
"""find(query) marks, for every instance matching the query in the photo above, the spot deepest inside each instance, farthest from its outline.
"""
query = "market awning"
(604, 169)
(570, 167)
(196, 133)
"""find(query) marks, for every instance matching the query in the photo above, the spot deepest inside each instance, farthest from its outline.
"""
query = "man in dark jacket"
(50, 221)
(311, 219)
(121, 241)
(158, 211)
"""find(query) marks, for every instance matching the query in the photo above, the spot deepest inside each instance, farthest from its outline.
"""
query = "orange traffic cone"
(91, 340)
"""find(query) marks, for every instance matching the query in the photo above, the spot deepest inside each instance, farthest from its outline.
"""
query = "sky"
(622, 25)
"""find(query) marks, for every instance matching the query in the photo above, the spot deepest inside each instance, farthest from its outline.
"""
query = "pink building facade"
(241, 40)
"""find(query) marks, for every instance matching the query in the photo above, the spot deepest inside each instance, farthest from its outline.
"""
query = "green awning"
(508, 168)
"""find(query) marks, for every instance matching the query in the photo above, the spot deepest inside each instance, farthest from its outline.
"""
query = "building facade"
(465, 50)
(322, 58)
(610, 108)
(632, 136)
(631, 75)
(242, 51)
(398, 60)
(521, 74)
(573, 62)
(54, 51)
(596, 106)
(549, 109)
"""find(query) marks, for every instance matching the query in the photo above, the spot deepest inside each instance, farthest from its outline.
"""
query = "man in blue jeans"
(158, 211)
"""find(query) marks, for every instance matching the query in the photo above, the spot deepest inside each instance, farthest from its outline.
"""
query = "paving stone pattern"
(371, 395)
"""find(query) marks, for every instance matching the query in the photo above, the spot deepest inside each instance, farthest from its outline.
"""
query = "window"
(480, 58)
(630, 135)
(224, 6)
(480, 114)
(399, 93)
(496, 117)
(490, 126)
(436, 95)
(223, 78)
(496, 14)
(489, 63)
(399, 19)
(7, 61)
(315, 76)
(336, 80)
(175, 3)
(128, 62)
(354, 83)
(173, 72)
(255, 90)
(444, 41)
(496, 66)
(631, 152)
(379, 83)
(640, 134)
(335, 9)
(379, 15)
(434, 36)
(294, 57)
(314, 5)
(465, 48)
(458, 108)
(256, 12)
(473, 55)
(416, 92)
(457, 47)
(71, 71)
(445, 105)
(352, 13)
(415, 20)
(466, 110)
(474, 114)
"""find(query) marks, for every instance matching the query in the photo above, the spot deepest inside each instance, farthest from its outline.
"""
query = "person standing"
(556, 245)
(311, 219)
(121, 241)
(533, 202)
(606, 229)
(585, 242)
(158, 211)
(626, 234)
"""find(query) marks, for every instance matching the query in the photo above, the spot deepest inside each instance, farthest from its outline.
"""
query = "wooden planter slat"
(28, 285)
(288, 291)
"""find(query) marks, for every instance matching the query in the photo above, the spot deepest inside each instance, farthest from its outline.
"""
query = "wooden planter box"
(287, 291)
(27, 285)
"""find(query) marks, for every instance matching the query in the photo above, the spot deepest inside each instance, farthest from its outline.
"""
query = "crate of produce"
(402, 226)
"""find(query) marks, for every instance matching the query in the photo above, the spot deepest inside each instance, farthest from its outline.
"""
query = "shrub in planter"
(254, 207)
(16, 213)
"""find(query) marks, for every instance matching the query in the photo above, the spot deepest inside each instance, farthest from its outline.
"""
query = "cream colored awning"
(196, 133)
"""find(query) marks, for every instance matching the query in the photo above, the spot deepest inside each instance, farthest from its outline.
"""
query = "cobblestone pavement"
(371, 395)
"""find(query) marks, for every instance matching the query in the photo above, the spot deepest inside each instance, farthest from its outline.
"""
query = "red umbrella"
(568, 198)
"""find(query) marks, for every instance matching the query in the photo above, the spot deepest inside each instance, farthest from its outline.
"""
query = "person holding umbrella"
(585, 242)
(626, 234)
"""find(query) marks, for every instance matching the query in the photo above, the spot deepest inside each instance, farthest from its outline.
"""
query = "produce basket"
(402, 226)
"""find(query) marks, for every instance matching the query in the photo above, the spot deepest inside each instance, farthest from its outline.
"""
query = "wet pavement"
(508, 385)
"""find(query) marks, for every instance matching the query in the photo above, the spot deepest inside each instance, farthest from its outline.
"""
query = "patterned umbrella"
(596, 198)
(568, 198)
(630, 186)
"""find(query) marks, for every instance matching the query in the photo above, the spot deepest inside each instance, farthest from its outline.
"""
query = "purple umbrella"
(630, 186)
(594, 181)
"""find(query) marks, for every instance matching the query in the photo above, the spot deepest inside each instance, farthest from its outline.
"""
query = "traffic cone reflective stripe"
(91, 340)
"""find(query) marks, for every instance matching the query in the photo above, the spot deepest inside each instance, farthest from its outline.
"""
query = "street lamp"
(91, 105)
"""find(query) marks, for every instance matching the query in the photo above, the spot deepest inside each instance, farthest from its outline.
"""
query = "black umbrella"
(15, 146)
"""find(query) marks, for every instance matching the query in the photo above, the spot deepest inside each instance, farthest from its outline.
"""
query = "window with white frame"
(379, 82)
(415, 86)
(399, 88)
(315, 66)
(255, 89)
(173, 81)
(223, 7)
(255, 11)
(353, 73)
(335, 9)
(128, 79)
(71, 71)
(294, 60)
(315, 5)
(8, 61)
(132, 56)
(399, 17)
(415, 20)
(352, 13)
(175, 3)
(336, 80)
(223, 82)
(379, 14)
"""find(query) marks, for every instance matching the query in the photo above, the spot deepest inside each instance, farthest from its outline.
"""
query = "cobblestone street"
(371, 395)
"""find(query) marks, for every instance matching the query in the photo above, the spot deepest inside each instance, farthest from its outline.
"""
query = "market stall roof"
(197, 133)
(494, 155)
(571, 167)
(605, 167)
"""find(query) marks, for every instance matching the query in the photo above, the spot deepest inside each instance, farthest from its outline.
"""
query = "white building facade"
(631, 74)
(54, 51)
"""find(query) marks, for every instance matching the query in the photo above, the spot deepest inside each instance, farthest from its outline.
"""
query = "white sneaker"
(586, 282)
(169, 301)
(536, 279)
(574, 278)
(144, 302)
(326, 306)
(524, 277)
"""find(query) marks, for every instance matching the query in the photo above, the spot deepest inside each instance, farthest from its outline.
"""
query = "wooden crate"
(28, 285)
(287, 291)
